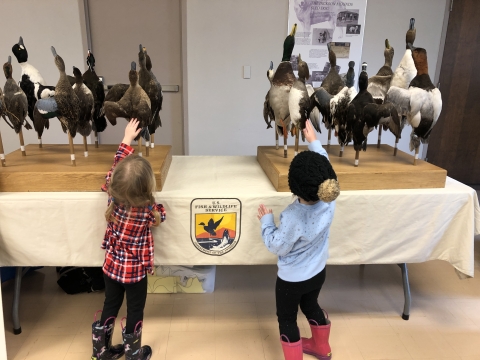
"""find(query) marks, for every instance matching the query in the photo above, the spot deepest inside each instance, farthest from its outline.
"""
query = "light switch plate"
(246, 72)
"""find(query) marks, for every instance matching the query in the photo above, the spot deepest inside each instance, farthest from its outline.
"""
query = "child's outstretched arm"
(278, 241)
(124, 149)
(311, 137)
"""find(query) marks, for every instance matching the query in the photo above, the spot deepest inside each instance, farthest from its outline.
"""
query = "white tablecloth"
(382, 227)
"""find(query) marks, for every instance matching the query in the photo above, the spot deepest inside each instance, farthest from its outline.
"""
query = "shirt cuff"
(267, 219)
(127, 149)
(315, 146)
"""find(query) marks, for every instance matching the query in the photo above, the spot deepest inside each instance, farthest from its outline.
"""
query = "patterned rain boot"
(291, 351)
(133, 344)
(318, 345)
(102, 340)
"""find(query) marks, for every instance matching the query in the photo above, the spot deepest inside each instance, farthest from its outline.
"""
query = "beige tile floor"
(238, 320)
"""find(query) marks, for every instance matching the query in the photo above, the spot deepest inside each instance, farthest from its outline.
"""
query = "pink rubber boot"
(318, 345)
(291, 351)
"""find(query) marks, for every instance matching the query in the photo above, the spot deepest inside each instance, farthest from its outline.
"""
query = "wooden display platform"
(49, 168)
(378, 169)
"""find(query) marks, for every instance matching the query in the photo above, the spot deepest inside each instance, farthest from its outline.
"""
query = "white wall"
(42, 24)
(224, 111)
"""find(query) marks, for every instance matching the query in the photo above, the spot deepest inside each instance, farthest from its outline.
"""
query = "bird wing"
(217, 223)
(375, 114)
(29, 89)
(116, 92)
(378, 86)
(268, 115)
(314, 112)
(114, 110)
(400, 98)
(321, 99)
(437, 104)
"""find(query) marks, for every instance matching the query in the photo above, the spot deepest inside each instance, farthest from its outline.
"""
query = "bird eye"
(21, 47)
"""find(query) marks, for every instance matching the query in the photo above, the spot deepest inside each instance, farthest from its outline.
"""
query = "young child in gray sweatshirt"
(301, 244)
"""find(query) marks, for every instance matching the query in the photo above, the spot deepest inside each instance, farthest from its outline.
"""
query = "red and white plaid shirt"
(128, 241)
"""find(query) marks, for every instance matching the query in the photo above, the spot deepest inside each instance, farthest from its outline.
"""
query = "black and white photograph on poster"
(321, 36)
(294, 62)
(320, 22)
(341, 49)
(353, 29)
(348, 17)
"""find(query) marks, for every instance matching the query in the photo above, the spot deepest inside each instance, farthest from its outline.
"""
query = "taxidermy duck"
(279, 92)
(86, 103)
(422, 101)
(156, 121)
(379, 84)
(333, 84)
(406, 70)
(299, 101)
(64, 105)
(15, 100)
(334, 108)
(16, 104)
(95, 85)
(268, 114)
(364, 114)
(135, 103)
(32, 82)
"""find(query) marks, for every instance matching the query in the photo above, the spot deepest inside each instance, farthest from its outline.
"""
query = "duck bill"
(412, 24)
(140, 48)
(133, 66)
(387, 44)
(271, 65)
(9, 59)
(294, 30)
(364, 66)
(54, 52)
(20, 41)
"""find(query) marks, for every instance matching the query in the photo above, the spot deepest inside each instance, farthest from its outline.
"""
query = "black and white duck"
(64, 105)
(422, 101)
(279, 92)
(32, 82)
(135, 103)
(299, 101)
(333, 84)
(268, 114)
(86, 103)
(95, 85)
(157, 122)
(363, 115)
(16, 104)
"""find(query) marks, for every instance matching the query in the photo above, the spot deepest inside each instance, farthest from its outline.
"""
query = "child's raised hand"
(262, 210)
(131, 131)
(309, 132)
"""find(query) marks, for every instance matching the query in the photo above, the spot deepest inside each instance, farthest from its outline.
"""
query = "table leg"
(17, 329)
(406, 292)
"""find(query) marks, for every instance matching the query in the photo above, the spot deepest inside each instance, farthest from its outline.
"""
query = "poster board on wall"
(319, 22)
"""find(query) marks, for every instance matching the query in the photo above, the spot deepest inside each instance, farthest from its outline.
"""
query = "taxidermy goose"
(86, 103)
(32, 82)
(135, 103)
(64, 105)
(15, 100)
(268, 114)
(95, 85)
(364, 114)
(422, 101)
(156, 122)
(279, 92)
(299, 101)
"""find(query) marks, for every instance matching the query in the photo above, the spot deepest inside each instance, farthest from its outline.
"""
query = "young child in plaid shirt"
(128, 245)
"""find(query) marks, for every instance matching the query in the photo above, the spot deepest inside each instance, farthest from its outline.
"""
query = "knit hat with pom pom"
(312, 178)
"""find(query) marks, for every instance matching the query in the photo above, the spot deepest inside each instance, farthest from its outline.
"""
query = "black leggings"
(291, 294)
(136, 298)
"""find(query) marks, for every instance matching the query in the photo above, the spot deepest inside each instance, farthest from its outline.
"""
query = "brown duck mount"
(86, 102)
(135, 103)
(16, 104)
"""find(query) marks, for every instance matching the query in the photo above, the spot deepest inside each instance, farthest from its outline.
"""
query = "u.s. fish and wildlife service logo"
(215, 225)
